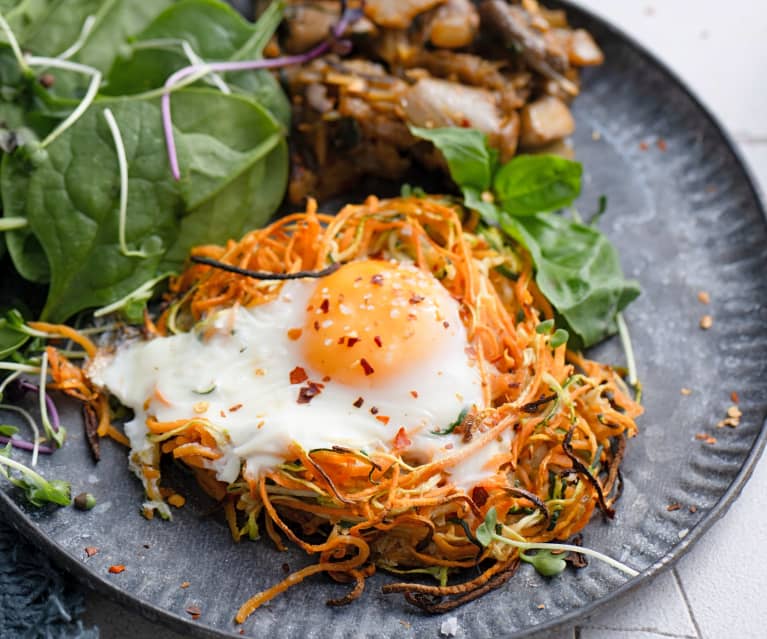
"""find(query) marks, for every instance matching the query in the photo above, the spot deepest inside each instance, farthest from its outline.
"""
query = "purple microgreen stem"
(349, 16)
(23, 444)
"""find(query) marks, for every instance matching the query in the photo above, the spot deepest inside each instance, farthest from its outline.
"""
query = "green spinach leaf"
(470, 159)
(577, 269)
(529, 184)
(71, 201)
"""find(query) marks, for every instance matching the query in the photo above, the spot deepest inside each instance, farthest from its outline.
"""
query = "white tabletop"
(716, 590)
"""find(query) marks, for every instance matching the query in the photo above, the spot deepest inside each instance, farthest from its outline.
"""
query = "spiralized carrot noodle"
(568, 417)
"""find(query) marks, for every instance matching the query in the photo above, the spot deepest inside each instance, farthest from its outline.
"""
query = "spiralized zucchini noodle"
(566, 417)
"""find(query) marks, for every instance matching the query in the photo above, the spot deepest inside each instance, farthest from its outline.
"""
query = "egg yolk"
(371, 319)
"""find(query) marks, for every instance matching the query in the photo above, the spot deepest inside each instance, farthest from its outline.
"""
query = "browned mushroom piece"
(544, 121)
(308, 24)
(397, 14)
(582, 50)
(453, 24)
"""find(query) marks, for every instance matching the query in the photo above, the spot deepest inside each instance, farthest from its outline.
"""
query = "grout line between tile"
(649, 631)
(690, 611)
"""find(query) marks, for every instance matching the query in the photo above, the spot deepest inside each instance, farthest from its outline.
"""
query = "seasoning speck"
(693, 509)
(708, 439)
(358, 402)
(672, 507)
(734, 397)
(298, 375)
(686, 391)
(91, 550)
(704, 297)
(706, 322)
(185, 585)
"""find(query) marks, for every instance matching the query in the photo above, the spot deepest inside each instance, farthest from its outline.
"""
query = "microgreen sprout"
(545, 562)
(87, 100)
(559, 337)
(34, 446)
(545, 327)
(13, 223)
(200, 70)
(138, 296)
(490, 530)
(14, 44)
(37, 489)
(78, 44)
(52, 430)
(623, 332)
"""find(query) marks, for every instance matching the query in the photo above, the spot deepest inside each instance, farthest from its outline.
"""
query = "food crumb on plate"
(185, 584)
(674, 506)
(116, 569)
(704, 297)
(194, 611)
(91, 550)
(686, 391)
(541, 606)
(706, 322)
(706, 438)
(449, 627)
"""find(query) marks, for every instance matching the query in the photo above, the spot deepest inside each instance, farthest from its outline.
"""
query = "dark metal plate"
(686, 218)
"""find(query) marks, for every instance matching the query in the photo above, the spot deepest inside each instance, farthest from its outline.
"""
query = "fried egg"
(373, 357)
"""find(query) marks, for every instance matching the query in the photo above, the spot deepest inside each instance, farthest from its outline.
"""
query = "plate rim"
(23, 524)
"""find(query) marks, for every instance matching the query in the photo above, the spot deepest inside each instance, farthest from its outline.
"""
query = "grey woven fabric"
(36, 600)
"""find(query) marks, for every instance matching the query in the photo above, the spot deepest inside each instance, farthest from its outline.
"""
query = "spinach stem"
(12, 223)
(87, 100)
(22, 368)
(32, 426)
(623, 332)
(78, 44)
(6, 28)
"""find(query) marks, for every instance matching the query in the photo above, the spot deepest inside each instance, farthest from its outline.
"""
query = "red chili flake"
(358, 402)
(414, 394)
(222, 413)
(693, 509)
(416, 299)
(294, 333)
(446, 324)
(91, 550)
(351, 341)
(298, 375)
(377, 279)
(706, 438)
(194, 611)
(672, 507)
(401, 440)
(661, 143)
(116, 569)
(369, 370)
(325, 306)
(308, 393)
(378, 341)
(644, 146)
(479, 496)
(384, 419)
(235, 408)
(326, 379)
(734, 397)
(374, 410)
(465, 123)
(185, 585)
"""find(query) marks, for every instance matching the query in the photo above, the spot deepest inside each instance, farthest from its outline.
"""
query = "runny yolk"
(371, 319)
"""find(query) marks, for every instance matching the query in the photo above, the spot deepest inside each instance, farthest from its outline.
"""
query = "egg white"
(240, 375)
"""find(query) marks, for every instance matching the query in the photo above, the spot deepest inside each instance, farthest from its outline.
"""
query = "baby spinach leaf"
(234, 167)
(71, 200)
(59, 27)
(577, 269)
(470, 159)
(213, 29)
(529, 184)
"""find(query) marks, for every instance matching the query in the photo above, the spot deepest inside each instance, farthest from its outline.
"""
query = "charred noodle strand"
(444, 591)
(428, 604)
(363, 552)
(263, 275)
(353, 594)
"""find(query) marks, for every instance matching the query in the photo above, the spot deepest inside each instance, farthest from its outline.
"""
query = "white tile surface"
(658, 608)
(720, 49)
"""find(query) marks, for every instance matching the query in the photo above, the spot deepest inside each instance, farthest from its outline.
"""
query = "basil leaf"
(578, 270)
(530, 184)
(470, 160)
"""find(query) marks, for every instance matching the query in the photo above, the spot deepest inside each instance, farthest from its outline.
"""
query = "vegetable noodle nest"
(555, 422)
